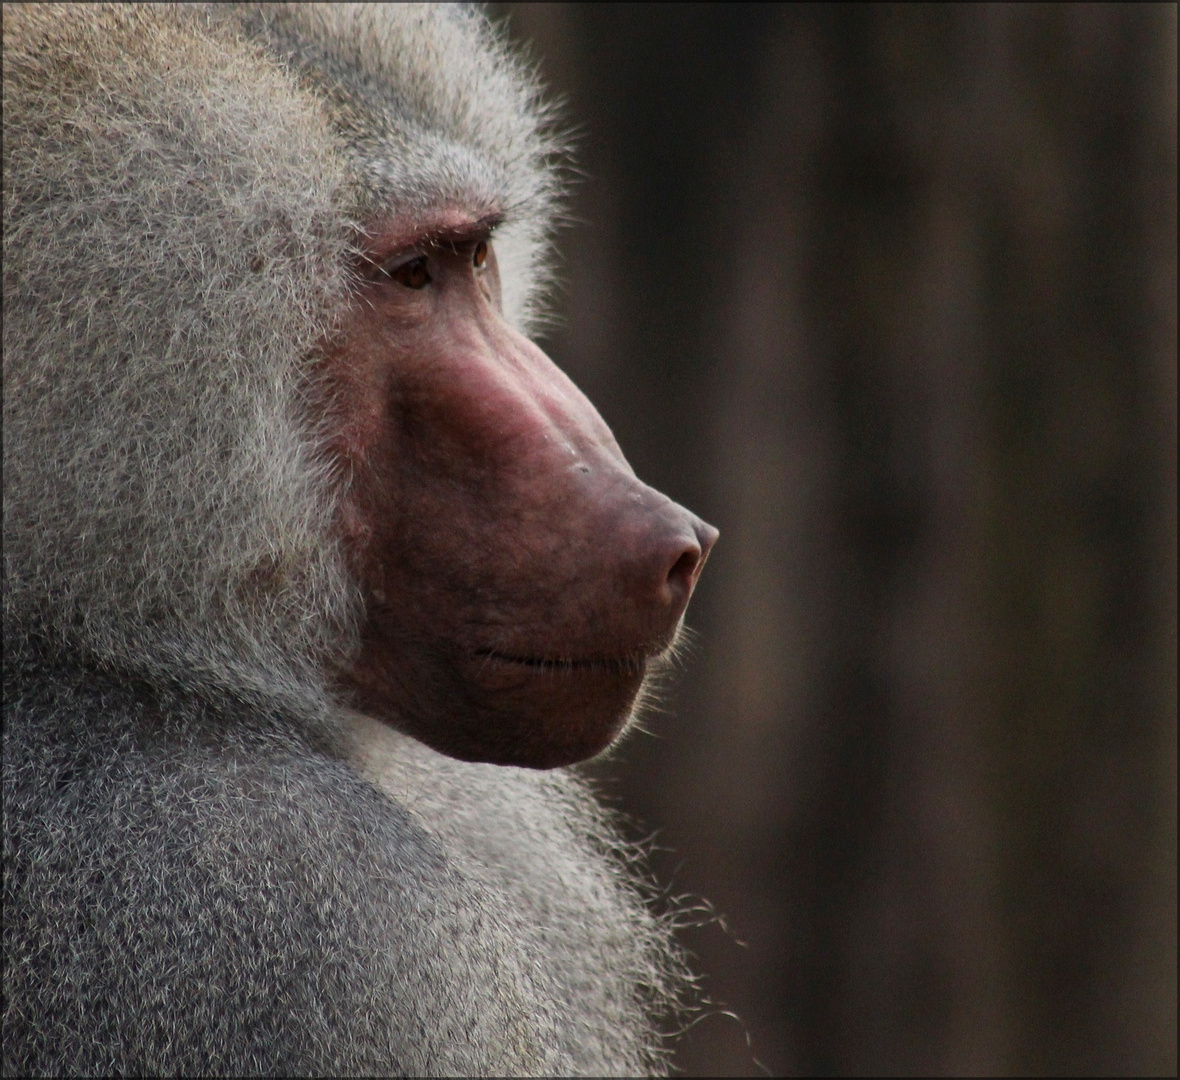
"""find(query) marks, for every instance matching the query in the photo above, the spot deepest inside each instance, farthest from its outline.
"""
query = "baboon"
(317, 572)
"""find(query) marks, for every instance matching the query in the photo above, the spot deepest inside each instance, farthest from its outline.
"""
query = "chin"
(543, 714)
(531, 715)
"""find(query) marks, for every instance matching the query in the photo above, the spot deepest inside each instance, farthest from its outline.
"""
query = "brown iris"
(413, 274)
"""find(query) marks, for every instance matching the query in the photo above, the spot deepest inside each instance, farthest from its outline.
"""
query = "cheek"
(465, 412)
(455, 472)
(420, 510)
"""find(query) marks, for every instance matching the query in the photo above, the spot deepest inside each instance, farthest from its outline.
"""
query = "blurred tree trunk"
(889, 295)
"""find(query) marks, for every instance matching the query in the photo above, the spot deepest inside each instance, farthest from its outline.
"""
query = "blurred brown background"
(888, 294)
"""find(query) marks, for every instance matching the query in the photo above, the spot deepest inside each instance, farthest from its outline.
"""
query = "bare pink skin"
(517, 577)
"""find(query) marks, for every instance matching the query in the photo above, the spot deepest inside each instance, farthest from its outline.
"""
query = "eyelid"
(395, 262)
(403, 258)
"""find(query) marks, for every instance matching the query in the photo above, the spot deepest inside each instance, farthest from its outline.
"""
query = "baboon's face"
(518, 578)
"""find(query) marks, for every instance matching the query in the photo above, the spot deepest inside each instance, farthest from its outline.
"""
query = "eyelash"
(413, 273)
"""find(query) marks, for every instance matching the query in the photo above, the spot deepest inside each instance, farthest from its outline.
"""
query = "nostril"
(684, 569)
(688, 559)
(671, 546)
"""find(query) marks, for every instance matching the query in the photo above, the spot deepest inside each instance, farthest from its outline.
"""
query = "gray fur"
(209, 865)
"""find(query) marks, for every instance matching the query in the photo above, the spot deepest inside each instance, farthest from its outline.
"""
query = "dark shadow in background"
(889, 295)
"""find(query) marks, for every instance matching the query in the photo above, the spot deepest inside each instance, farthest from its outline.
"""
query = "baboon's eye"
(479, 257)
(412, 274)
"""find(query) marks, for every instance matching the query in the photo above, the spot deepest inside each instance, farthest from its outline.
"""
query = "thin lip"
(628, 663)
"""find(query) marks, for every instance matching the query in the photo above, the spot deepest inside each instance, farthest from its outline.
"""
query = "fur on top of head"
(182, 185)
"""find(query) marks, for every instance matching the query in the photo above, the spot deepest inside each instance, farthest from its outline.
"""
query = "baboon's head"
(272, 416)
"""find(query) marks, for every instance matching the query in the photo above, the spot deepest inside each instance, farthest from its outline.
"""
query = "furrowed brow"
(445, 230)
(455, 236)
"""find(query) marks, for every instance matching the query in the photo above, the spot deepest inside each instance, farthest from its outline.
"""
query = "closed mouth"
(633, 663)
